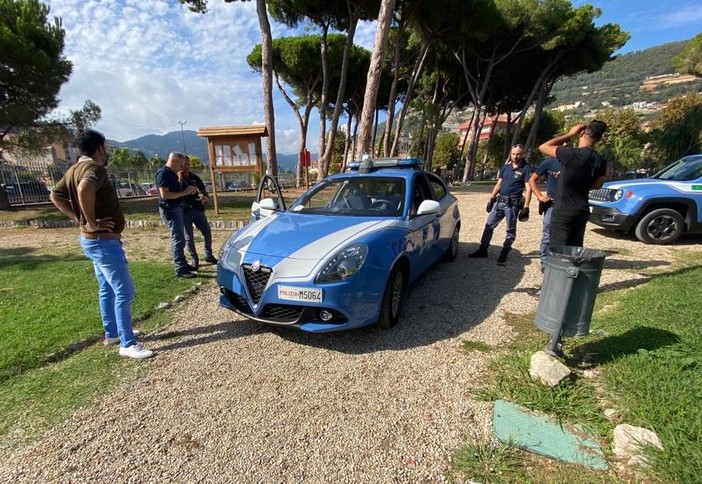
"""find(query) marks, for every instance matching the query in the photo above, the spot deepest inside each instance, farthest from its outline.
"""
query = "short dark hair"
(89, 141)
(595, 129)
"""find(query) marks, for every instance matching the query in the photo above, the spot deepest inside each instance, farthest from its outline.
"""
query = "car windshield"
(685, 169)
(355, 196)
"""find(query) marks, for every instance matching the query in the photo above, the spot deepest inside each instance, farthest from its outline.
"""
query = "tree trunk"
(267, 74)
(473, 148)
(392, 98)
(373, 79)
(323, 96)
(538, 110)
(374, 149)
(417, 70)
(329, 148)
(348, 146)
(302, 119)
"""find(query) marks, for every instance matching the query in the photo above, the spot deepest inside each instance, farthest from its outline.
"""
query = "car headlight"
(229, 255)
(344, 264)
(618, 194)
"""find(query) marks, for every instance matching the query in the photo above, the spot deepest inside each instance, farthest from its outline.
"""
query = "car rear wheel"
(452, 250)
(661, 226)
(392, 299)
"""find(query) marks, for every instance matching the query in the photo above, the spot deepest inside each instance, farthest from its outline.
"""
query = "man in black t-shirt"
(582, 170)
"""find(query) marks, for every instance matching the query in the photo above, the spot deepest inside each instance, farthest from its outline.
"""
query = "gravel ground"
(229, 400)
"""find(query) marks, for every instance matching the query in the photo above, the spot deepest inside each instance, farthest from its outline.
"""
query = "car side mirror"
(428, 207)
(264, 208)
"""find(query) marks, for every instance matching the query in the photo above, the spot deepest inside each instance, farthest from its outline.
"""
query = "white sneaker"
(135, 351)
(115, 341)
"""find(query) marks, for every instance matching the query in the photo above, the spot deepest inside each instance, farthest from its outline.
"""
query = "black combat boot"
(503, 256)
(480, 253)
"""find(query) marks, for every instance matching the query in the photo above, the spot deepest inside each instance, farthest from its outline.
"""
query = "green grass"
(49, 304)
(45, 396)
(651, 353)
(472, 345)
(232, 206)
(646, 343)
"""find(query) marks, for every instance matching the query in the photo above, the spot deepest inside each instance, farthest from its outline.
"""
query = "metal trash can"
(568, 291)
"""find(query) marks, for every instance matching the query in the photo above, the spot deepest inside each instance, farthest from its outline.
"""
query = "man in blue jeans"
(506, 201)
(86, 195)
(549, 168)
(171, 192)
(194, 214)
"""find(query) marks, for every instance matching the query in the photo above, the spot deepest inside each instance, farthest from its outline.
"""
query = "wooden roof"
(229, 131)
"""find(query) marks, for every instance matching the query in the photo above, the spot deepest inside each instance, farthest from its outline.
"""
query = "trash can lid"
(576, 255)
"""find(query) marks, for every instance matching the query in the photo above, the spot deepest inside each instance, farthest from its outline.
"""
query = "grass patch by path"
(52, 360)
(43, 397)
(469, 345)
(508, 464)
(49, 303)
(646, 343)
(650, 350)
(233, 206)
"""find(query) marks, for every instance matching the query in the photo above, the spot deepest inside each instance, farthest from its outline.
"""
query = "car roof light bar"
(373, 164)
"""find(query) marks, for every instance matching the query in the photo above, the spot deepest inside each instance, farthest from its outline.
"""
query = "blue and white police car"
(658, 209)
(342, 255)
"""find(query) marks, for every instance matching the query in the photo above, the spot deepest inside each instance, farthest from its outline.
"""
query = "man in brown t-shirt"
(86, 195)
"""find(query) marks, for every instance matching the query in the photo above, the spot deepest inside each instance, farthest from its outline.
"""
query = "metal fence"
(31, 182)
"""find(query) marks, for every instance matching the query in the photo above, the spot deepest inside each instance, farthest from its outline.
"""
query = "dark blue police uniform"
(508, 203)
(171, 212)
(551, 169)
(194, 214)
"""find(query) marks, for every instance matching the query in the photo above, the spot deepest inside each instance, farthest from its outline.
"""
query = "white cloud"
(688, 15)
(151, 64)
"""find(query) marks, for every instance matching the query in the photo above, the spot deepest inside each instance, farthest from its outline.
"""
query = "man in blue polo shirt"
(549, 168)
(506, 201)
(171, 191)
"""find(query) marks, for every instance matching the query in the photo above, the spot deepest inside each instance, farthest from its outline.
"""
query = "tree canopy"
(32, 67)
(689, 60)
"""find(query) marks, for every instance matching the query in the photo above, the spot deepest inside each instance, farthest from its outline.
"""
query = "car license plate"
(290, 293)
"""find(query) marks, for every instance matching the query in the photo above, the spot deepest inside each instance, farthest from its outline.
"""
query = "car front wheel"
(661, 226)
(392, 299)
(452, 251)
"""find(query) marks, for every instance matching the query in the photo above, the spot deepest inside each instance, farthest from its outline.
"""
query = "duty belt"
(510, 200)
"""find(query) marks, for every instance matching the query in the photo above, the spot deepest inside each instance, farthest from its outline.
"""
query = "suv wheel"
(661, 226)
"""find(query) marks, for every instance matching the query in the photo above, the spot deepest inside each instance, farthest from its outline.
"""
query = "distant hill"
(162, 145)
(620, 81)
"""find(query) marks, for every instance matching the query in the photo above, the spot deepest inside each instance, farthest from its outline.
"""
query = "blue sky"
(651, 22)
(150, 64)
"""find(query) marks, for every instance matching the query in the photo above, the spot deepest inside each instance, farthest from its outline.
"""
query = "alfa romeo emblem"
(256, 265)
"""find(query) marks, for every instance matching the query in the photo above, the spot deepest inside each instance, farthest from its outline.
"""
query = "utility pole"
(182, 133)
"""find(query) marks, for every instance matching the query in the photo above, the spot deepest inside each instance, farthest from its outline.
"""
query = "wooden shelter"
(233, 149)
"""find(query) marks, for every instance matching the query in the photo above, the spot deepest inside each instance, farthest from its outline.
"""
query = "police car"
(342, 255)
(658, 209)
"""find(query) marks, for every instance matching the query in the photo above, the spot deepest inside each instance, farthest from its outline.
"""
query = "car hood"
(303, 237)
(619, 184)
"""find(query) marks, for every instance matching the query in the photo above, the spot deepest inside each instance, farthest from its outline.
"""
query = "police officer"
(194, 214)
(171, 192)
(549, 168)
(506, 201)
